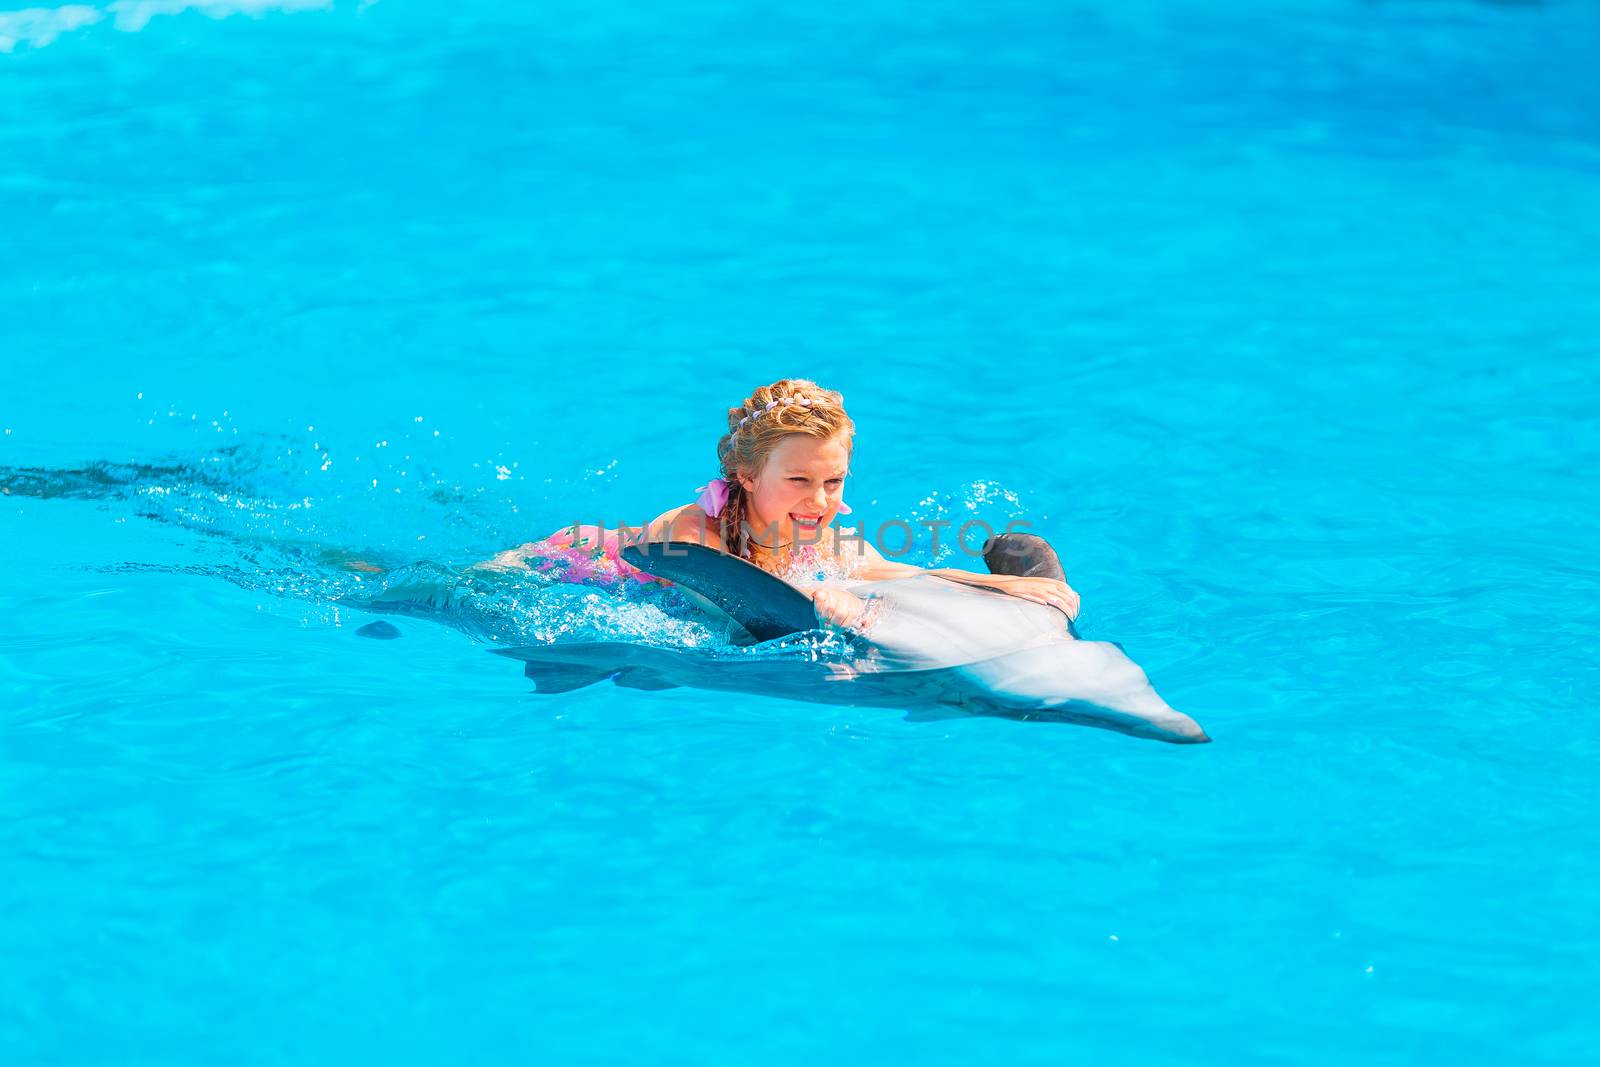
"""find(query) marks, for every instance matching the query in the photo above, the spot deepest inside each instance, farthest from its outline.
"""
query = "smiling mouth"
(806, 520)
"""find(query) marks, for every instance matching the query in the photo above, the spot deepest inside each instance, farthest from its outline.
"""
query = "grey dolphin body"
(932, 646)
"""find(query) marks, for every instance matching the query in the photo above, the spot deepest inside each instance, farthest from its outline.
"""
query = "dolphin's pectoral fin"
(562, 677)
(563, 668)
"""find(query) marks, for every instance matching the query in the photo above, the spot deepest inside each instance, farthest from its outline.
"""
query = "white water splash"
(36, 27)
(133, 15)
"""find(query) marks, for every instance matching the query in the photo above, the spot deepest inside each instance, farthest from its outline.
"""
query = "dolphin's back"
(926, 623)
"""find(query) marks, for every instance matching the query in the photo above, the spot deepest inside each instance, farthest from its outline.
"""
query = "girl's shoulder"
(687, 523)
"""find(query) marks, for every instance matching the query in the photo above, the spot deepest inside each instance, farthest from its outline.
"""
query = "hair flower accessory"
(713, 497)
(774, 404)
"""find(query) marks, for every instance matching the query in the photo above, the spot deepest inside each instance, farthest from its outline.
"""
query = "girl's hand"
(1045, 591)
(839, 607)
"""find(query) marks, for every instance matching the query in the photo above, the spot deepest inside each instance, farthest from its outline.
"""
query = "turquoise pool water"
(1281, 325)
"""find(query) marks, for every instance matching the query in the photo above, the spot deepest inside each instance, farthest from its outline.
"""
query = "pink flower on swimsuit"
(594, 554)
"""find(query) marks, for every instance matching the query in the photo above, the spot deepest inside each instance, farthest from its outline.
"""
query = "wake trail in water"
(257, 531)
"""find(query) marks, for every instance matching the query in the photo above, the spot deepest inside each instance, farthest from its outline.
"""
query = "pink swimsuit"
(593, 556)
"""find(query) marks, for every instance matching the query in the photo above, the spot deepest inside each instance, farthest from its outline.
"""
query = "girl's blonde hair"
(768, 415)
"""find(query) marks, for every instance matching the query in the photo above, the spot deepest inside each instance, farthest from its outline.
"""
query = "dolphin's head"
(1088, 682)
(1016, 658)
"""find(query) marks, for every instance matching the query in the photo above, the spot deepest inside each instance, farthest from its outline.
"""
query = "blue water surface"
(1281, 321)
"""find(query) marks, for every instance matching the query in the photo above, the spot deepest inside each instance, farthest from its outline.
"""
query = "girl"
(783, 464)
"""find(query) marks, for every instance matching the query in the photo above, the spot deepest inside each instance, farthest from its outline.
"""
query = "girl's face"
(796, 495)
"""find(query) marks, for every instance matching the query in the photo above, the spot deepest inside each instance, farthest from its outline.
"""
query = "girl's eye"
(835, 481)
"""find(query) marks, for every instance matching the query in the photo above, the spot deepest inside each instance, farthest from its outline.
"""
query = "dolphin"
(932, 647)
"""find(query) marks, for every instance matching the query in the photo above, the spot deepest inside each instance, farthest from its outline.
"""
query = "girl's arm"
(873, 567)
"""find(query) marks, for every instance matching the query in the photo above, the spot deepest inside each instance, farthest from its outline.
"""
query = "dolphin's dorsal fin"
(765, 605)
